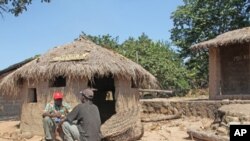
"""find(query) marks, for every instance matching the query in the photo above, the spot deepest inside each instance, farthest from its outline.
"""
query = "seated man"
(53, 113)
(88, 120)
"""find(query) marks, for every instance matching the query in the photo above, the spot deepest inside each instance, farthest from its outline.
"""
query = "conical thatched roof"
(79, 59)
(240, 36)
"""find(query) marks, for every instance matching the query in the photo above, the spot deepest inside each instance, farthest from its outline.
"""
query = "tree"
(106, 41)
(15, 7)
(159, 59)
(200, 20)
(155, 57)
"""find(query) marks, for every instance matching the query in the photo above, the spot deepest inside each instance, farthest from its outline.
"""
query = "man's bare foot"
(58, 138)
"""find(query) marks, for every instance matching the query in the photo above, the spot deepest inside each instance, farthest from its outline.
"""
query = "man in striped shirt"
(53, 113)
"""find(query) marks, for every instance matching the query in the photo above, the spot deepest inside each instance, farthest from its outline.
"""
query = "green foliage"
(106, 41)
(15, 7)
(200, 20)
(156, 57)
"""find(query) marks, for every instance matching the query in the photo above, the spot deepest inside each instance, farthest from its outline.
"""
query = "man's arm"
(51, 115)
(73, 115)
(47, 112)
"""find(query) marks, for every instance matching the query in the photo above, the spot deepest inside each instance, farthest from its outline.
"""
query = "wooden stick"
(167, 117)
(154, 90)
(205, 136)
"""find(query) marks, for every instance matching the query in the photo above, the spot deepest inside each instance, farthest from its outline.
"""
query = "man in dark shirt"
(88, 120)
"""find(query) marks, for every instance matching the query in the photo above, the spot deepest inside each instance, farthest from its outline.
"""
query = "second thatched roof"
(239, 36)
(80, 59)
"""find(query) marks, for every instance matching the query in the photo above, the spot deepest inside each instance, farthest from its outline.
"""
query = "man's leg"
(70, 131)
(59, 133)
(49, 128)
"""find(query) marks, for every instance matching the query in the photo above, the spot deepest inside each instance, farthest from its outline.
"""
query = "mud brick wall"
(10, 107)
(201, 108)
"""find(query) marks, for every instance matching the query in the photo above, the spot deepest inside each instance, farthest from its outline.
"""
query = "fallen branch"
(205, 136)
(155, 90)
(7, 138)
(161, 118)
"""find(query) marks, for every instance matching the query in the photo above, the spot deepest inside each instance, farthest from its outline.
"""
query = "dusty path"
(172, 130)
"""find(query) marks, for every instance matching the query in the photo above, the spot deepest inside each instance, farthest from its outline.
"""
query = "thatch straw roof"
(239, 36)
(16, 66)
(79, 59)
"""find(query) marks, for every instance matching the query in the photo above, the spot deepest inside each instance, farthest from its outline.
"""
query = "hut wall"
(229, 68)
(214, 73)
(31, 116)
(127, 101)
(127, 98)
(10, 106)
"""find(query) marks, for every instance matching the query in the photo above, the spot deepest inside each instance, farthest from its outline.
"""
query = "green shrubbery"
(156, 57)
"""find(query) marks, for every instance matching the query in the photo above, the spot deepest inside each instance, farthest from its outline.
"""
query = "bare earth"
(171, 130)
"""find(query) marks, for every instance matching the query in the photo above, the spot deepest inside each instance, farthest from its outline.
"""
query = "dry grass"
(197, 93)
(240, 36)
(91, 60)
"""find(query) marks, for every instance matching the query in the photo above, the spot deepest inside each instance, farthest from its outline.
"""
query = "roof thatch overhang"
(79, 59)
(16, 66)
(239, 36)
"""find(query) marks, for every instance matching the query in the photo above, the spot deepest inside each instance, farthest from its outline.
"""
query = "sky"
(46, 25)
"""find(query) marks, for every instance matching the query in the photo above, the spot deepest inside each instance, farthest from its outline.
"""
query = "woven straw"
(120, 123)
(239, 36)
(79, 59)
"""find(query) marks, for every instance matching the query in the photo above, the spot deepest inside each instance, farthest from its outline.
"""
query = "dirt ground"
(171, 130)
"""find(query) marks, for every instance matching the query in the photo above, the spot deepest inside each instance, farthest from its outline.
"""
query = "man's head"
(58, 97)
(86, 94)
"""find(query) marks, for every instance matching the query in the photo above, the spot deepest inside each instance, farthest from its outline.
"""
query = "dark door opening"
(104, 96)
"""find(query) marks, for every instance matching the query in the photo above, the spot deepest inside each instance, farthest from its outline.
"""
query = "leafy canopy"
(156, 57)
(200, 20)
(15, 7)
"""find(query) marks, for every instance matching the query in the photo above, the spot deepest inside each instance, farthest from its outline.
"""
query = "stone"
(27, 135)
(246, 123)
(231, 119)
(214, 126)
(166, 104)
(164, 110)
(151, 110)
(175, 111)
(244, 118)
(233, 123)
(18, 131)
(14, 135)
(6, 135)
(222, 131)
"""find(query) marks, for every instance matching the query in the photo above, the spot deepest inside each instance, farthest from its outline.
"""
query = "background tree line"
(155, 56)
(194, 21)
(201, 20)
(16, 7)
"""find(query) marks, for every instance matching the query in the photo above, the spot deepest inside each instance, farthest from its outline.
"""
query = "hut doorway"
(104, 96)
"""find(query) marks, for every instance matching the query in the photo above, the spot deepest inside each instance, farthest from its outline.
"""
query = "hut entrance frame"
(32, 95)
(104, 95)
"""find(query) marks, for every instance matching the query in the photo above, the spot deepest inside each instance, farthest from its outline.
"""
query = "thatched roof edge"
(16, 66)
(100, 61)
(239, 36)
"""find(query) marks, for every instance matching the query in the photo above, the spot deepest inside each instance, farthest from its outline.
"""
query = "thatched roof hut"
(240, 36)
(10, 104)
(229, 64)
(73, 67)
(81, 58)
